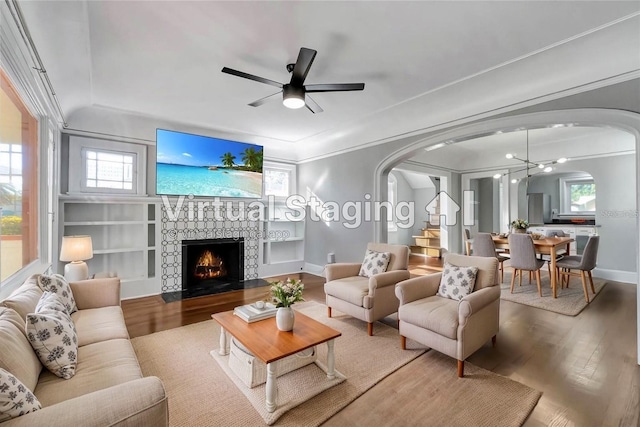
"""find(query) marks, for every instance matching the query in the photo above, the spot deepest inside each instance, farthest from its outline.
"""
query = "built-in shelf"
(282, 244)
(124, 234)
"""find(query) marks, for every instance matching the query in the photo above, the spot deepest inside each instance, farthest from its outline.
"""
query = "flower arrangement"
(287, 293)
(520, 224)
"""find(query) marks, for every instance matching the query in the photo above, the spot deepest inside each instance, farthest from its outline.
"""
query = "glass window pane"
(583, 197)
(276, 182)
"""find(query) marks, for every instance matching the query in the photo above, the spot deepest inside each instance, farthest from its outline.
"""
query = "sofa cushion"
(16, 354)
(374, 263)
(99, 324)
(100, 365)
(457, 282)
(24, 299)
(53, 336)
(350, 289)
(436, 314)
(58, 285)
(15, 398)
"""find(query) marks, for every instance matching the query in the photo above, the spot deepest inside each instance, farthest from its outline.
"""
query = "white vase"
(284, 318)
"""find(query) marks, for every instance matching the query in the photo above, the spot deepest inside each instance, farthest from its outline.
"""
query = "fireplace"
(212, 265)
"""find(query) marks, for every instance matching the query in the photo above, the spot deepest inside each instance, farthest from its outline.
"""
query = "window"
(106, 166)
(578, 195)
(279, 179)
(392, 187)
(104, 169)
(18, 182)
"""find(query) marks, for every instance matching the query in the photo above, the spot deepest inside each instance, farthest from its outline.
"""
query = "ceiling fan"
(295, 93)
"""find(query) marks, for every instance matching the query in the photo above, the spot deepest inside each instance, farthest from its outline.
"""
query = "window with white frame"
(107, 167)
(578, 195)
(279, 179)
(392, 188)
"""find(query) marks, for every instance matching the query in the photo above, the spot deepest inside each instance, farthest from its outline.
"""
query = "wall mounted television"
(204, 166)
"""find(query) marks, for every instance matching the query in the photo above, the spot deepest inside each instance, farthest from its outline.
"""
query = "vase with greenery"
(284, 295)
(519, 225)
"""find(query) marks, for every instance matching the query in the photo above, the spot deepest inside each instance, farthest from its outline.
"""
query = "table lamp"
(76, 249)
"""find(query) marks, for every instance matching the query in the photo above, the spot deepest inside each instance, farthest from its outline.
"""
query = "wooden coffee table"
(268, 344)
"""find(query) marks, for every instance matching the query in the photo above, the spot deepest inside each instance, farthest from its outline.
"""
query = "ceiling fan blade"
(312, 105)
(251, 77)
(261, 101)
(301, 69)
(335, 87)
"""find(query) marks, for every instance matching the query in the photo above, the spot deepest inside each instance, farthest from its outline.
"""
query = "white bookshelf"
(282, 242)
(125, 233)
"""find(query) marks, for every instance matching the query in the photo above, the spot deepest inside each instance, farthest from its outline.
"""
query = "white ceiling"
(423, 63)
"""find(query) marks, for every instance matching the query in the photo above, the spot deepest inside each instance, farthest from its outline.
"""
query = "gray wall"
(405, 194)
(485, 205)
(421, 197)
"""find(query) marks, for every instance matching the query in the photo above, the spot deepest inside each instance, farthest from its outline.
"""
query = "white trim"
(78, 144)
(629, 277)
(318, 270)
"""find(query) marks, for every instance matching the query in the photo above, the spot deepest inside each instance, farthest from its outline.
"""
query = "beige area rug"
(201, 394)
(480, 399)
(570, 301)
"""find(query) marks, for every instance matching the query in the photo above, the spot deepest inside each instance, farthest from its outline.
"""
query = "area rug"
(570, 301)
(201, 394)
(428, 393)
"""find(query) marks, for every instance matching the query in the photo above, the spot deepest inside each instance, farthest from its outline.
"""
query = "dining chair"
(559, 252)
(483, 246)
(584, 263)
(523, 258)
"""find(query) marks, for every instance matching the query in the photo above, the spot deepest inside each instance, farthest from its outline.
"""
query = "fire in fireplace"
(209, 266)
(216, 265)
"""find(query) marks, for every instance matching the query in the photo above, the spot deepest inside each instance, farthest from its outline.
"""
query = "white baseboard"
(318, 270)
(630, 277)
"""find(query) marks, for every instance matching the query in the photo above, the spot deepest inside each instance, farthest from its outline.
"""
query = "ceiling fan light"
(292, 97)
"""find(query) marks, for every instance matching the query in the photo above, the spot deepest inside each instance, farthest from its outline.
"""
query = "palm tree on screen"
(227, 159)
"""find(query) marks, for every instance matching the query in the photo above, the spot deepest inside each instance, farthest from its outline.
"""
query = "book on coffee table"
(250, 313)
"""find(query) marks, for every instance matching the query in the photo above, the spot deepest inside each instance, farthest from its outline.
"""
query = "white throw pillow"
(53, 336)
(15, 398)
(457, 282)
(59, 285)
(374, 263)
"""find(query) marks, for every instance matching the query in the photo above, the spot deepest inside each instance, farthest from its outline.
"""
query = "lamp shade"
(76, 248)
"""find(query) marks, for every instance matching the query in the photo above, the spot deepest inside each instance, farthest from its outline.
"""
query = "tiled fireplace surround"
(205, 227)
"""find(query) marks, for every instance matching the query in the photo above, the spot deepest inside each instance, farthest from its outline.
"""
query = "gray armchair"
(455, 328)
(366, 298)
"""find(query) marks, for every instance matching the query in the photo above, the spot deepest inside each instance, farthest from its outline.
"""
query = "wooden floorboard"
(584, 365)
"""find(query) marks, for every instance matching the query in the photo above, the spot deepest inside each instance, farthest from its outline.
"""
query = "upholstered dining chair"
(483, 246)
(583, 263)
(559, 252)
(523, 258)
(367, 297)
(455, 326)
(468, 240)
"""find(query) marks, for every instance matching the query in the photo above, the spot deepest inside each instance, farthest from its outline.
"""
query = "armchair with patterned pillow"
(454, 312)
(366, 291)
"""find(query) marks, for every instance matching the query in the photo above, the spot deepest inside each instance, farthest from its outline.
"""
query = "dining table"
(545, 246)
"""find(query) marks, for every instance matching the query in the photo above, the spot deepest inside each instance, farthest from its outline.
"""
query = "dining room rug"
(202, 392)
(570, 301)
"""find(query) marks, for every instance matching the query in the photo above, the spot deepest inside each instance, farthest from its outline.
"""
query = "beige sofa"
(108, 388)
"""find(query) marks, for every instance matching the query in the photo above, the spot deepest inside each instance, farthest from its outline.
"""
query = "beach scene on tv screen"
(205, 166)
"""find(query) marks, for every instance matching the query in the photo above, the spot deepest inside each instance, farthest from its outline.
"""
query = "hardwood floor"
(584, 365)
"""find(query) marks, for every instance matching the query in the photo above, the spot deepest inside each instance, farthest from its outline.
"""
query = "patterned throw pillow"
(374, 263)
(457, 282)
(59, 285)
(15, 398)
(53, 336)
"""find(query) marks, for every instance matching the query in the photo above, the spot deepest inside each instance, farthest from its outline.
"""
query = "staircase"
(429, 242)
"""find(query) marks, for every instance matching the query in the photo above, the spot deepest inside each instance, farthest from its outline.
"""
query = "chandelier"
(537, 167)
